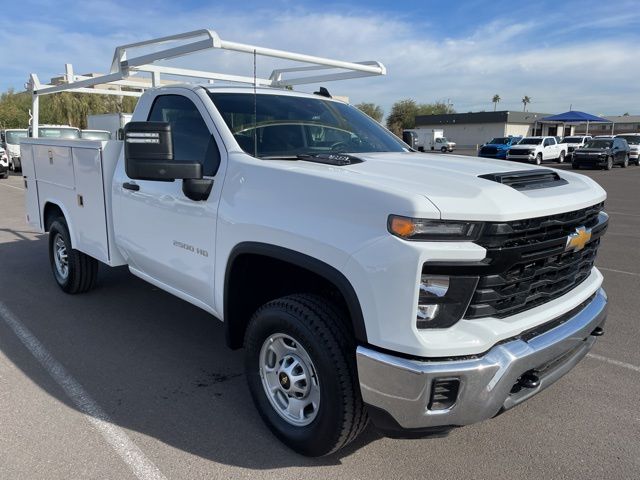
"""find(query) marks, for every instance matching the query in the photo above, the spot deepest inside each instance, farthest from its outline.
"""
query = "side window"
(547, 142)
(192, 141)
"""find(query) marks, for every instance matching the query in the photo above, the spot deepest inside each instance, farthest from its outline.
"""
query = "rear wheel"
(74, 271)
(539, 159)
(301, 371)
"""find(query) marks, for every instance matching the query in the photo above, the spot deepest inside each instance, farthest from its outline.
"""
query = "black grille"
(488, 150)
(527, 264)
(519, 151)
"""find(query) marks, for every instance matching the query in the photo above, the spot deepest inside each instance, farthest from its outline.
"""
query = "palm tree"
(496, 99)
(525, 101)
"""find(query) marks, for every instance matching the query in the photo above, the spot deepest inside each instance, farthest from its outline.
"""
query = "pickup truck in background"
(574, 142)
(498, 147)
(364, 281)
(10, 141)
(537, 150)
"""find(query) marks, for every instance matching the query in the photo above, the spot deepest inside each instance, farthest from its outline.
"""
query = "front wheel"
(443, 149)
(539, 159)
(561, 157)
(74, 271)
(638, 161)
(609, 164)
(301, 371)
(625, 162)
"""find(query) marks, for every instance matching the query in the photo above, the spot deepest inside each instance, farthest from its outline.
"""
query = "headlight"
(442, 300)
(438, 230)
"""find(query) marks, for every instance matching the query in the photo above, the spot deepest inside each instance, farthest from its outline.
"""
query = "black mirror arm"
(197, 189)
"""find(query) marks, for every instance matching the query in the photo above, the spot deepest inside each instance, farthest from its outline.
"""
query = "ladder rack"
(124, 66)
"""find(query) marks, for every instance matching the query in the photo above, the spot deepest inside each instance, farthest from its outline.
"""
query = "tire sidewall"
(273, 320)
(59, 226)
(539, 159)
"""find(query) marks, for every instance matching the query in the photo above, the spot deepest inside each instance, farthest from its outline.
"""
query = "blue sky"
(559, 53)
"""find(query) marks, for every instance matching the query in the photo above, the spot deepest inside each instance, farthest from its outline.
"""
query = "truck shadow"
(154, 363)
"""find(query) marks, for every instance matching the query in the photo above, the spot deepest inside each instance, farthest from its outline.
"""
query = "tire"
(539, 159)
(443, 149)
(561, 157)
(5, 174)
(609, 164)
(625, 162)
(74, 271)
(311, 331)
(638, 161)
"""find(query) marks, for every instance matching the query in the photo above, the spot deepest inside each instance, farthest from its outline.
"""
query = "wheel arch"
(53, 209)
(238, 309)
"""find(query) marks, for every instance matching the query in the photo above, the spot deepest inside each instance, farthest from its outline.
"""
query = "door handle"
(131, 186)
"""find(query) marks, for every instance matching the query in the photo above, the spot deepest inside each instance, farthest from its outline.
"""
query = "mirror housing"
(148, 154)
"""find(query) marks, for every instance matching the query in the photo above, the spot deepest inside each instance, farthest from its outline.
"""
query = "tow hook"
(597, 332)
(529, 380)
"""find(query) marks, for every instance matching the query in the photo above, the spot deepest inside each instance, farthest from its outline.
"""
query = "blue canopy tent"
(573, 116)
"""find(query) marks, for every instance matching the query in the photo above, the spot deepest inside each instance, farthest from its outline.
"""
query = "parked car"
(498, 147)
(633, 139)
(11, 144)
(537, 150)
(603, 153)
(575, 141)
(4, 163)
(95, 135)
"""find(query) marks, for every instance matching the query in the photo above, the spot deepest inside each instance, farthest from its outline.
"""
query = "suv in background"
(602, 152)
(498, 147)
(575, 141)
(633, 139)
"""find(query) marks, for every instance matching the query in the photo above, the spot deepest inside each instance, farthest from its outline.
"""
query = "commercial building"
(619, 124)
(472, 129)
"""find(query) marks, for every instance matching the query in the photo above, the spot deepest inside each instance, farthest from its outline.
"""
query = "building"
(620, 124)
(472, 129)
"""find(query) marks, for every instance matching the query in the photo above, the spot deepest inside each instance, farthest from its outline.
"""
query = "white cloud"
(510, 59)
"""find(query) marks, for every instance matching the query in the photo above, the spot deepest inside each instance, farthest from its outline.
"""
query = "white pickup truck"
(364, 280)
(537, 150)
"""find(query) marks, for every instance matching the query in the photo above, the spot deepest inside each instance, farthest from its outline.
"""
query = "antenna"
(255, 108)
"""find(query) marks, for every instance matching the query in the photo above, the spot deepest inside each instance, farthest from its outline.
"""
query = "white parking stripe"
(618, 271)
(614, 362)
(11, 186)
(142, 467)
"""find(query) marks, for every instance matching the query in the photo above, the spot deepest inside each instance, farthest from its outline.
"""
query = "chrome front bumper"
(402, 387)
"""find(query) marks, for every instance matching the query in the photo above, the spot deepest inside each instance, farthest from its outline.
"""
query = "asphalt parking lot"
(129, 375)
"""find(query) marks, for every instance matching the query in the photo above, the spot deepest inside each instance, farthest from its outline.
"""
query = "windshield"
(530, 141)
(48, 132)
(95, 135)
(500, 141)
(287, 126)
(572, 140)
(631, 139)
(13, 137)
(598, 144)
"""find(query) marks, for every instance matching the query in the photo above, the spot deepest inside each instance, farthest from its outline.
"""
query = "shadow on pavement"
(155, 364)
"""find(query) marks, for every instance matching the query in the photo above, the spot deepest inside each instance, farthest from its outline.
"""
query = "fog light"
(444, 393)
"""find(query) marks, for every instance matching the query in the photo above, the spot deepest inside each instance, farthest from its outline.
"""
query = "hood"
(452, 184)
(523, 147)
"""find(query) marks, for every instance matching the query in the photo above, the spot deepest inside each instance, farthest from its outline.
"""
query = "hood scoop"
(527, 179)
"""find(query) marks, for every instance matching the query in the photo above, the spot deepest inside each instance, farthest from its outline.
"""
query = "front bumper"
(592, 162)
(489, 383)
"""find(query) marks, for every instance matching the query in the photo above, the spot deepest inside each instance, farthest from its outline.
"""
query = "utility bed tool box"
(76, 174)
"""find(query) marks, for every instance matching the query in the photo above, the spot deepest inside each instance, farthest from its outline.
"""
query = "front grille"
(571, 149)
(527, 264)
(519, 152)
(488, 151)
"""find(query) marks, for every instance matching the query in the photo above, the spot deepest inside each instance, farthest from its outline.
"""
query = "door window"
(192, 141)
(547, 142)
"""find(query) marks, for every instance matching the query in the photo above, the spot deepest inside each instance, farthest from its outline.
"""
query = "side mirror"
(148, 154)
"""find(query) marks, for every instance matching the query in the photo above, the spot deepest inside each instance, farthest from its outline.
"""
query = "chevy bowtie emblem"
(577, 240)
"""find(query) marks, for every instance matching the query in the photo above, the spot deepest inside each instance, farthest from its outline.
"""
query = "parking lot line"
(142, 467)
(618, 271)
(11, 186)
(614, 362)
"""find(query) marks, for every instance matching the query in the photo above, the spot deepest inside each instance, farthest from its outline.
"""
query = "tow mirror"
(148, 154)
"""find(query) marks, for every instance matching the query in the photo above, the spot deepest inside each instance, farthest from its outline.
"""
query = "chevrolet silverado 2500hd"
(537, 150)
(364, 280)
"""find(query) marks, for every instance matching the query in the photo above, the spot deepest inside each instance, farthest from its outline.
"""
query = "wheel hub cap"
(60, 257)
(289, 379)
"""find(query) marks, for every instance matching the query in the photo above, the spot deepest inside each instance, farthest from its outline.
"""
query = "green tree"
(371, 109)
(403, 113)
(496, 99)
(525, 101)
